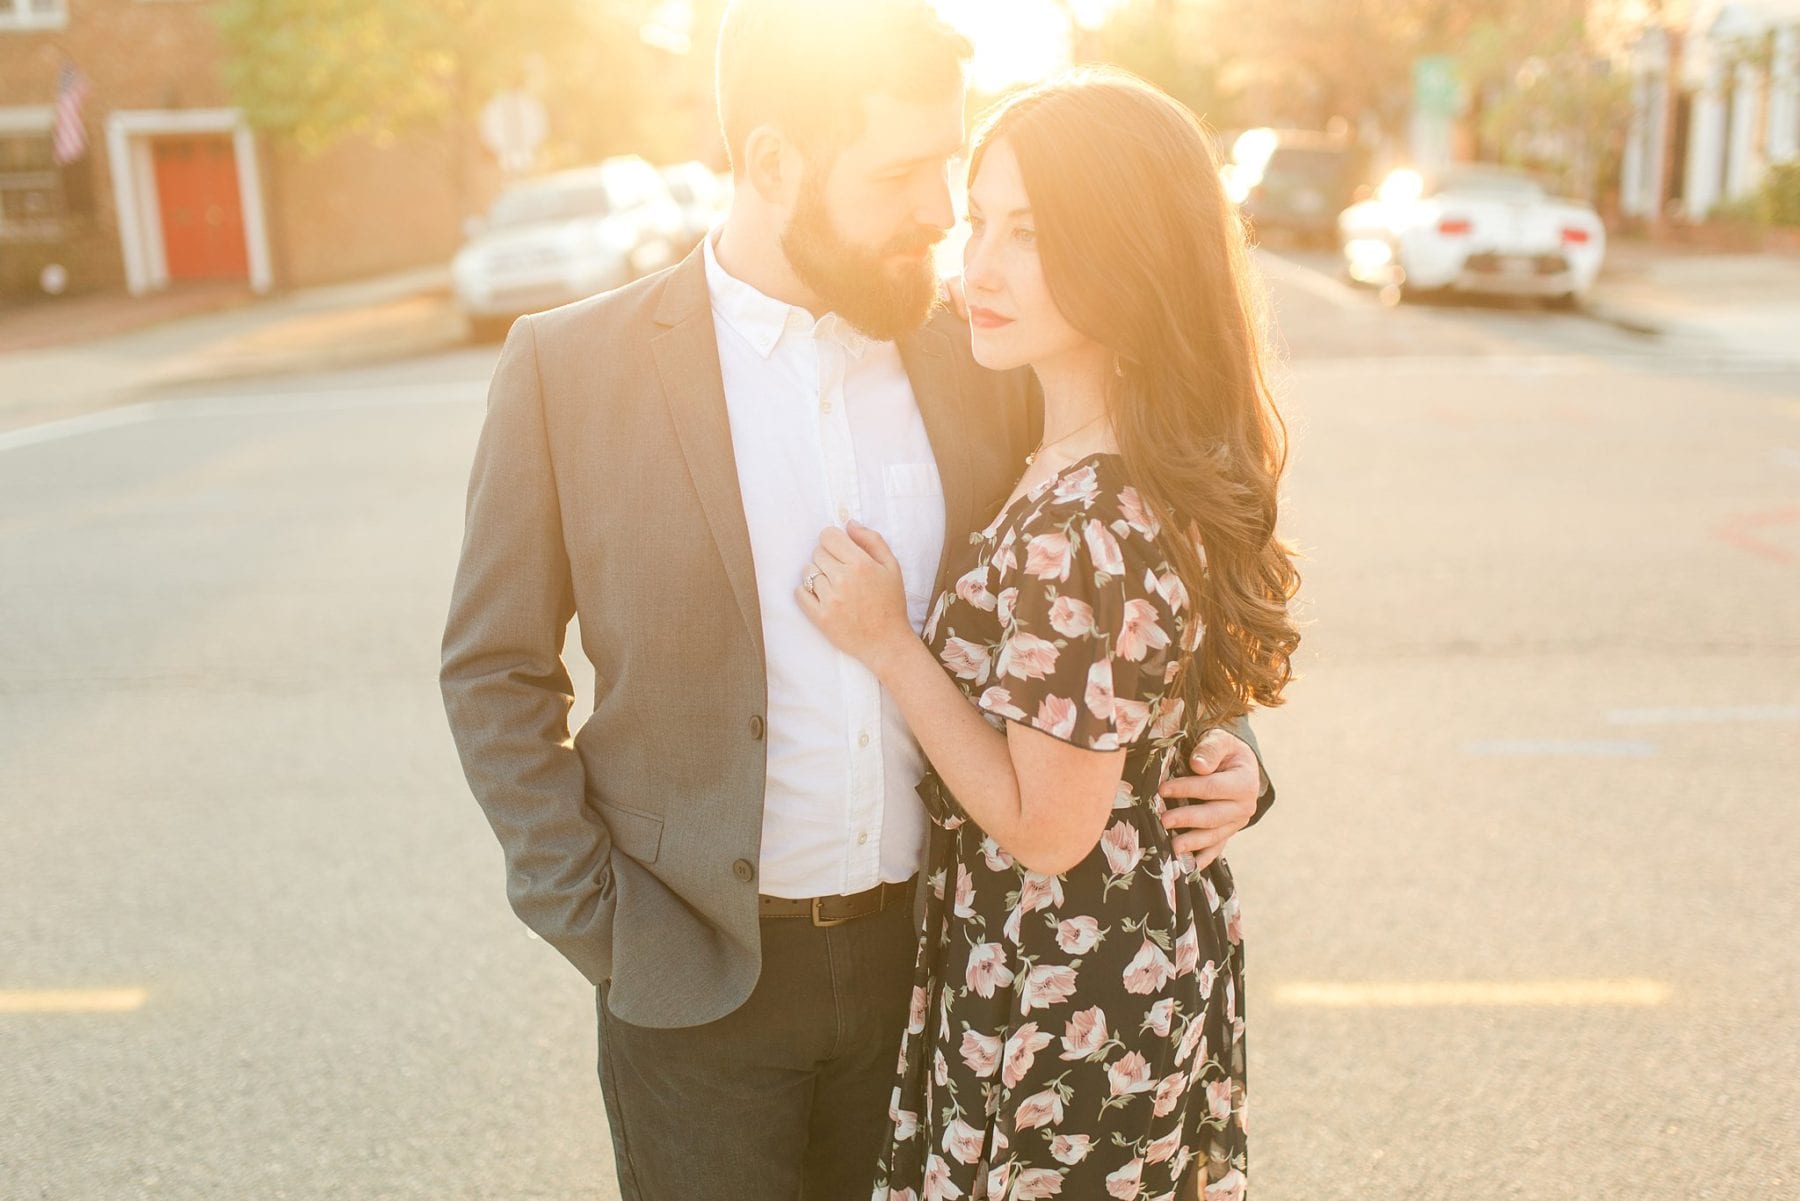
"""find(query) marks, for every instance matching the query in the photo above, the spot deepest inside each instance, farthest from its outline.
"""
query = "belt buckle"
(827, 922)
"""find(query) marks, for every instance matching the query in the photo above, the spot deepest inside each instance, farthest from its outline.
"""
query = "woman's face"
(1012, 319)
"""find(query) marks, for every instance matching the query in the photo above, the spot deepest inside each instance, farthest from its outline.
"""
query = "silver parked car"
(561, 237)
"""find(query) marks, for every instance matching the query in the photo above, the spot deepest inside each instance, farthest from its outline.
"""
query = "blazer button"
(743, 870)
(756, 727)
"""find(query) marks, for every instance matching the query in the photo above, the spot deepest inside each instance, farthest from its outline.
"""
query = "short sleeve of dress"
(1087, 627)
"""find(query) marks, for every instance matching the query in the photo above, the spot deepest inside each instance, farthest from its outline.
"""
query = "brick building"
(175, 186)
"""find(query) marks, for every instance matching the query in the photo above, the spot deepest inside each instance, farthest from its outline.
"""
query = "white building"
(1737, 107)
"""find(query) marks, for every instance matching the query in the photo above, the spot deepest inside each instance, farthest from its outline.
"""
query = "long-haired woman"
(1077, 1028)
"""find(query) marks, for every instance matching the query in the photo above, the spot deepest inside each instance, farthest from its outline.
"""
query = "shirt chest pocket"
(914, 497)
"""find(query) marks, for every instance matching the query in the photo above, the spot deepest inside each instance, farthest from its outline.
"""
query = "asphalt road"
(1520, 926)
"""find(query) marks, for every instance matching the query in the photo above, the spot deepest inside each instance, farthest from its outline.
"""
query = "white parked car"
(1473, 228)
(560, 237)
(702, 195)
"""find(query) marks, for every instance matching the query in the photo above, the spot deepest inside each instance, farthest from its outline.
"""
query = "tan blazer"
(604, 486)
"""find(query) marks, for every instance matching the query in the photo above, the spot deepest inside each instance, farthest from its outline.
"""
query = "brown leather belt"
(835, 911)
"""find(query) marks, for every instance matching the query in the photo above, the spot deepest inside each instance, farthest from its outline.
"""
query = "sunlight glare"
(1016, 41)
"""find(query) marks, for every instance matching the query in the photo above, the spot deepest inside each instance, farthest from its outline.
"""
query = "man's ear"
(768, 161)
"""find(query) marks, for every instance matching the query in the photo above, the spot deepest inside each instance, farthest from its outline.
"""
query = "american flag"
(68, 138)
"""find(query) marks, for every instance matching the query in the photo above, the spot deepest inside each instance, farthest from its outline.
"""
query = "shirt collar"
(762, 320)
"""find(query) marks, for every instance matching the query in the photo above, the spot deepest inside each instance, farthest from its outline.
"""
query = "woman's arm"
(1045, 801)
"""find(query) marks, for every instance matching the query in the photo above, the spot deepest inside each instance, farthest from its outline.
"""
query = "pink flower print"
(1056, 716)
(1071, 617)
(1187, 951)
(965, 659)
(1130, 718)
(1003, 605)
(1084, 1033)
(1040, 1110)
(1071, 1148)
(1103, 548)
(1099, 695)
(902, 1194)
(1047, 557)
(1172, 590)
(1168, 1094)
(938, 1185)
(1208, 974)
(1021, 1051)
(1169, 715)
(915, 1017)
(1141, 633)
(1162, 1017)
(1233, 929)
(906, 1123)
(1137, 514)
(1218, 1099)
(962, 1142)
(1229, 1187)
(1126, 1183)
(1193, 1039)
(1164, 1147)
(1149, 971)
(998, 859)
(940, 1067)
(1034, 1184)
(1082, 484)
(998, 701)
(1077, 935)
(1212, 894)
(1120, 846)
(987, 968)
(1129, 1073)
(1025, 656)
(972, 587)
(981, 1052)
(1039, 891)
(997, 1178)
(965, 893)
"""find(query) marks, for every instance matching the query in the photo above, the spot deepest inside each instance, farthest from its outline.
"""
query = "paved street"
(1515, 926)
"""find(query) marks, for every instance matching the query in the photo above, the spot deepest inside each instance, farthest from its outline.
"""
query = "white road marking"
(1682, 717)
(1399, 994)
(1600, 748)
(251, 404)
(71, 1000)
(1515, 366)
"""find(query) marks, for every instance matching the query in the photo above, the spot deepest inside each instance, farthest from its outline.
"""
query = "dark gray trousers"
(785, 1099)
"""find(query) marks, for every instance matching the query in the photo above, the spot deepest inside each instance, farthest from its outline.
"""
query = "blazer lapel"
(938, 391)
(686, 352)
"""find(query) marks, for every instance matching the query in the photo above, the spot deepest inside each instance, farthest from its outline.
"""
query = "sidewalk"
(1744, 303)
(58, 360)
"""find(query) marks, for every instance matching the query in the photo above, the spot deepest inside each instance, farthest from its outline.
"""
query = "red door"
(203, 225)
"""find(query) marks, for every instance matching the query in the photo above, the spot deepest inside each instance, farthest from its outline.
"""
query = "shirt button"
(756, 727)
(743, 870)
(862, 838)
(828, 406)
(862, 740)
(843, 512)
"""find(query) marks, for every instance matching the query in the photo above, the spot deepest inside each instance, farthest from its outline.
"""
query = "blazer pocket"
(635, 833)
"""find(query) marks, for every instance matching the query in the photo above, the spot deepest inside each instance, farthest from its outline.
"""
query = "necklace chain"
(1042, 446)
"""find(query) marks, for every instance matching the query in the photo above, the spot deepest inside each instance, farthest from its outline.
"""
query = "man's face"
(862, 229)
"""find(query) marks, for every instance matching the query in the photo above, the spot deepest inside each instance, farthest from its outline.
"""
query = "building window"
(33, 14)
(33, 205)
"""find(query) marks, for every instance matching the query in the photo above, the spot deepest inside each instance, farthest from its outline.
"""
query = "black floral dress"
(1078, 1036)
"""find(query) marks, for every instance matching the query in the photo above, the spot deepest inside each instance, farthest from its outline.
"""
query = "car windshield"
(1510, 185)
(538, 203)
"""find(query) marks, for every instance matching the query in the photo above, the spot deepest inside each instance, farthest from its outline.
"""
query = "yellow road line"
(1425, 993)
(71, 1000)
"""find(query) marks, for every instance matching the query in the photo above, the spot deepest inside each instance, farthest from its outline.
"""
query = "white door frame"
(128, 137)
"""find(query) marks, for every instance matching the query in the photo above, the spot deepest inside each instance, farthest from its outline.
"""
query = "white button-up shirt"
(825, 428)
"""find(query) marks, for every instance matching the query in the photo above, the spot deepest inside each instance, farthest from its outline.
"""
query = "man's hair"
(806, 66)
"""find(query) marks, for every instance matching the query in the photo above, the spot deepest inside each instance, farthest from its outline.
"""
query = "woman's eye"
(1026, 236)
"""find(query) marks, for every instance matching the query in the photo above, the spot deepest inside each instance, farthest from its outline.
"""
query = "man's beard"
(860, 285)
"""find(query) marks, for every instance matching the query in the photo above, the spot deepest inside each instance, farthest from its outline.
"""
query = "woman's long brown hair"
(1143, 252)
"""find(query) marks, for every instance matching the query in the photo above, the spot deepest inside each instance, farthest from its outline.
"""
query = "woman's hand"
(856, 596)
